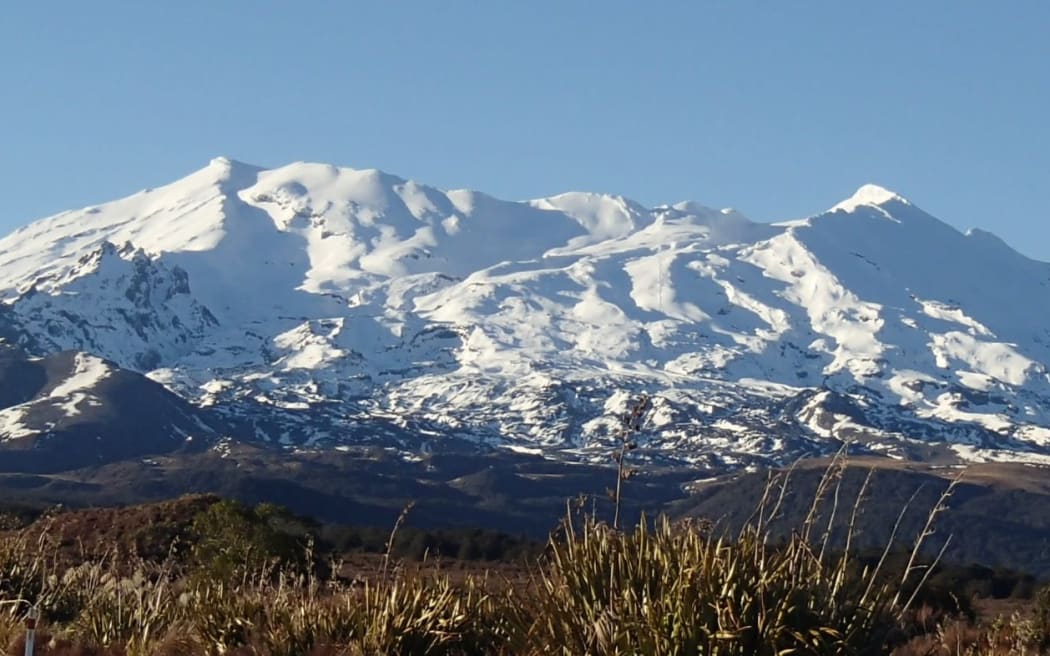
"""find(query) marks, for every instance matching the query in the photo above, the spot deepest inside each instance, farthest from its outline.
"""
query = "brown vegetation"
(250, 581)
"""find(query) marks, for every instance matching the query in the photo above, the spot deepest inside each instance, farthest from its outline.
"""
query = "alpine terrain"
(318, 309)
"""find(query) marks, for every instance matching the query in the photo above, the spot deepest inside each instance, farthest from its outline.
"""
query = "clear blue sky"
(779, 109)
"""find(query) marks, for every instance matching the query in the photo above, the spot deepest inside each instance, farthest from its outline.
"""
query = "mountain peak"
(871, 195)
(227, 170)
(223, 162)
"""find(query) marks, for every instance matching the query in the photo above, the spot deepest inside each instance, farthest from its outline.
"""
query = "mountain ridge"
(311, 306)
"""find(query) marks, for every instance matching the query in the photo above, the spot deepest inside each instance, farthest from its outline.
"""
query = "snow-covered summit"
(869, 194)
(310, 304)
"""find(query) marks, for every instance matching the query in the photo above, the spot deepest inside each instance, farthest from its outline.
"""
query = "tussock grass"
(663, 587)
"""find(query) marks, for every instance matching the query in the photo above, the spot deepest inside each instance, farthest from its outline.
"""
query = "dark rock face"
(119, 416)
(20, 378)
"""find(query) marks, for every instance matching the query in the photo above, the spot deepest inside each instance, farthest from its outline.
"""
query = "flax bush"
(403, 613)
(674, 590)
(31, 573)
(134, 613)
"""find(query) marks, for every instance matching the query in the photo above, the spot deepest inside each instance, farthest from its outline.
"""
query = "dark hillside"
(998, 515)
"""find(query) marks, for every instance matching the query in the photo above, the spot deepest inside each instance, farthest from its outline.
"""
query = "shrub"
(233, 540)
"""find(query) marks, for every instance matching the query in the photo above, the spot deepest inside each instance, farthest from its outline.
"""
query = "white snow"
(88, 371)
(531, 324)
(995, 359)
(72, 397)
(13, 423)
(869, 194)
(953, 314)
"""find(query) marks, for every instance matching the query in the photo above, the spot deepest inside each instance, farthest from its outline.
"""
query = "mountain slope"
(70, 410)
(313, 306)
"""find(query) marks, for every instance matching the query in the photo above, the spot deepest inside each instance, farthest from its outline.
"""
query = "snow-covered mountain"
(311, 306)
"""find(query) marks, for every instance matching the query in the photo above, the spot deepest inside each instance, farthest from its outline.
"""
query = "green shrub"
(233, 540)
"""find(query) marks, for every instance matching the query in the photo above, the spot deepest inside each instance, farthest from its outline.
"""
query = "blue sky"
(779, 109)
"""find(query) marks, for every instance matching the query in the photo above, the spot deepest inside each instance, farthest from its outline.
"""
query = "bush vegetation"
(249, 582)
